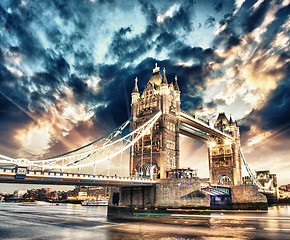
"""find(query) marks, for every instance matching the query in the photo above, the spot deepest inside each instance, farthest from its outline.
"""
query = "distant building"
(19, 193)
(284, 192)
(81, 193)
(267, 179)
(285, 187)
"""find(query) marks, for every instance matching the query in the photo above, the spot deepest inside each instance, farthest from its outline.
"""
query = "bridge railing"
(74, 175)
(7, 170)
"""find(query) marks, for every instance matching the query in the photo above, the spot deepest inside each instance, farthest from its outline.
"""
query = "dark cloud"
(218, 7)
(275, 27)
(202, 56)
(125, 49)
(11, 118)
(78, 85)
(246, 20)
(166, 40)
(210, 22)
(150, 11)
(232, 41)
(5, 75)
(273, 116)
(256, 17)
(16, 25)
(213, 104)
(181, 18)
(191, 102)
(240, 24)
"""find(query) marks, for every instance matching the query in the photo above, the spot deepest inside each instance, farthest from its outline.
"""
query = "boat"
(96, 202)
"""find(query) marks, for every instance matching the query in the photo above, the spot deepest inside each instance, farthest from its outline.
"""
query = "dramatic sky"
(67, 69)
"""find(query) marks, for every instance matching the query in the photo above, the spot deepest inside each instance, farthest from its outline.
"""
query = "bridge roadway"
(59, 178)
(198, 129)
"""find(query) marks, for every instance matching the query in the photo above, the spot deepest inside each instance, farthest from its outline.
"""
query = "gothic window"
(170, 126)
(221, 151)
(170, 161)
(156, 125)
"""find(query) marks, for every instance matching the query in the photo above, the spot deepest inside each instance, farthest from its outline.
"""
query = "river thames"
(67, 221)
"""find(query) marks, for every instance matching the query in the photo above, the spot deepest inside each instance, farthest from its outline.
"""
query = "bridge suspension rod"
(83, 159)
(266, 188)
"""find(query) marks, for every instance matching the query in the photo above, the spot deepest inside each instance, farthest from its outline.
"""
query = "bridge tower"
(158, 151)
(224, 154)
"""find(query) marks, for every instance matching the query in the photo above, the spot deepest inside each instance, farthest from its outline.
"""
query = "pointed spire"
(164, 79)
(236, 123)
(231, 120)
(136, 90)
(156, 69)
(176, 87)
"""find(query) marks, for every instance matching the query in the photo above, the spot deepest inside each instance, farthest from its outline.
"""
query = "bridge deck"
(58, 178)
(202, 126)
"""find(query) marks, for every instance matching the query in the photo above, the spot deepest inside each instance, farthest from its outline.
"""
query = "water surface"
(68, 221)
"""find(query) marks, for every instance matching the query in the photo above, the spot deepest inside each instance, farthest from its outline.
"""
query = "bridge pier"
(167, 193)
(248, 197)
(180, 195)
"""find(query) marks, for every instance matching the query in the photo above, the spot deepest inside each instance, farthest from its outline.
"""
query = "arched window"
(224, 180)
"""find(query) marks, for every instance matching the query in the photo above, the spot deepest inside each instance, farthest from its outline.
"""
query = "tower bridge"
(160, 148)
(156, 124)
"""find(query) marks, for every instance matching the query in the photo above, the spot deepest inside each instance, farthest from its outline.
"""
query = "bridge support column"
(225, 165)
(167, 194)
(248, 197)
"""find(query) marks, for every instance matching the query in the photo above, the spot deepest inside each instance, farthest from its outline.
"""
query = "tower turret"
(164, 79)
(176, 87)
(176, 91)
(135, 96)
(164, 85)
(136, 90)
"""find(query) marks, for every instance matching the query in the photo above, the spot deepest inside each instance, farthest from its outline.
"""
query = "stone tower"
(224, 154)
(158, 151)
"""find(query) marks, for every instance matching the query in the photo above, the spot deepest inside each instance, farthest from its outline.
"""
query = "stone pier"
(248, 197)
(178, 195)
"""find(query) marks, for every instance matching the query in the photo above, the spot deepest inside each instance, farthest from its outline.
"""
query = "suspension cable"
(142, 156)
(83, 159)
(252, 176)
(151, 136)
(121, 163)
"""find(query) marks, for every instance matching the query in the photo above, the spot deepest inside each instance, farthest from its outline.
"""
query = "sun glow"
(258, 138)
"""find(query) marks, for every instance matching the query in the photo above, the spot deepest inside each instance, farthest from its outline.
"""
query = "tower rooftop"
(156, 77)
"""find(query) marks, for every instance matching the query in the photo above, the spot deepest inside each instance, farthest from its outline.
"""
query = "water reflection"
(67, 221)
